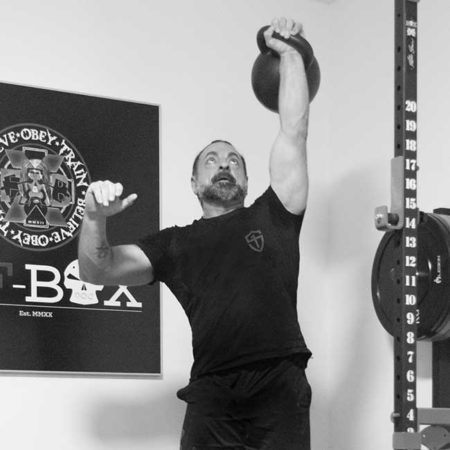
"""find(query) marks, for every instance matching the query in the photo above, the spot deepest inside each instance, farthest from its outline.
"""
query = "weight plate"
(433, 278)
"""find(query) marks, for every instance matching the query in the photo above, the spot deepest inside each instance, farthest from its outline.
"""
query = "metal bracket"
(435, 438)
(434, 416)
(406, 441)
(394, 220)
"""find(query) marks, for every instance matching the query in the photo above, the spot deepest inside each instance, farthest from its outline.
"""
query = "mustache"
(223, 176)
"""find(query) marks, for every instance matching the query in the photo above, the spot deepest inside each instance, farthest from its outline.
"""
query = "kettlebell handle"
(296, 41)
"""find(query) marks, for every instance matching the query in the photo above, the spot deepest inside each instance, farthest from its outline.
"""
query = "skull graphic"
(82, 293)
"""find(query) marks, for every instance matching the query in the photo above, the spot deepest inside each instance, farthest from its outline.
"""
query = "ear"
(194, 185)
(245, 187)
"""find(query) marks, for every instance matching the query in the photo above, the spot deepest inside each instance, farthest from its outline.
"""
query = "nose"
(224, 165)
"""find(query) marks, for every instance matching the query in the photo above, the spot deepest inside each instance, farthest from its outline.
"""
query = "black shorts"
(259, 406)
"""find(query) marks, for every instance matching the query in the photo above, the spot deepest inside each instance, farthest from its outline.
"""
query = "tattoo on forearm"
(103, 251)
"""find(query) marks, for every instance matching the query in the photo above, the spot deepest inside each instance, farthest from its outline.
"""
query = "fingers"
(285, 27)
(119, 189)
(107, 192)
(269, 33)
(128, 201)
(95, 189)
(297, 28)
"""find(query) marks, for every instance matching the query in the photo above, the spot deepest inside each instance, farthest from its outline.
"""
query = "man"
(235, 272)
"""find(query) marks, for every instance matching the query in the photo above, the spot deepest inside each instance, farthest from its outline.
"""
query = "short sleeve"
(158, 248)
(269, 199)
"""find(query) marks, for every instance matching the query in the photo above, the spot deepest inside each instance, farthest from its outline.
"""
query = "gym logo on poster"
(43, 183)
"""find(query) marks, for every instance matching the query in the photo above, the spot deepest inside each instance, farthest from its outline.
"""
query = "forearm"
(288, 165)
(293, 101)
(95, 255)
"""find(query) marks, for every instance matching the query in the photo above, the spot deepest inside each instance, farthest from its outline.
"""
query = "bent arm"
(99, 262)
(288, 162)
(103, 264)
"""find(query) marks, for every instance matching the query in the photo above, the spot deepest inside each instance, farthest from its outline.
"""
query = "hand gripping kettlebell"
(266, 69)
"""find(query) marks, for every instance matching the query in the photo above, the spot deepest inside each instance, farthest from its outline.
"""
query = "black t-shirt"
(236, 277)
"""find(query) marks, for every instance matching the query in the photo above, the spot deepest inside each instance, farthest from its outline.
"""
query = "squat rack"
(404, 219)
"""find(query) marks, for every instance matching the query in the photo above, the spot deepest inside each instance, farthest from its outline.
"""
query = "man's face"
(220, 176)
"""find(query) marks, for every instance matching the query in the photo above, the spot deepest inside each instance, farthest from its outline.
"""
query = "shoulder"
(271, 209)
(270, 199)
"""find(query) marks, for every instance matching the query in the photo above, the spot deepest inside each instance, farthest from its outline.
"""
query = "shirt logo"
(255, 240)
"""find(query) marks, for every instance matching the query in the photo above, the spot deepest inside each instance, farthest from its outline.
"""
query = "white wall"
(194, 57)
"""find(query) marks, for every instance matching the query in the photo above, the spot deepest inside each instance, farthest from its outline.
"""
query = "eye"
(234, 161)
(210, 160)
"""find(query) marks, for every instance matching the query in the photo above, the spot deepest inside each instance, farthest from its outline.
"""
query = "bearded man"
(235, 273)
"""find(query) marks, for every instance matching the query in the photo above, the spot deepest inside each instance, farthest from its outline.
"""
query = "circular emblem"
(43, 183)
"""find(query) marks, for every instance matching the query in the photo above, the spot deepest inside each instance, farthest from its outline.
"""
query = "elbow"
(85, 275)
(295, 134)
(296, 129)
(300, 134)
(90, 275)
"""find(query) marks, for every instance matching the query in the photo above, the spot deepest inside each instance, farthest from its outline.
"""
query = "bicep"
(130, 267)
(288, 172)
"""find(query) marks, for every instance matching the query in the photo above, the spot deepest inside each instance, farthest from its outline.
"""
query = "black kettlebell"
(266, 69)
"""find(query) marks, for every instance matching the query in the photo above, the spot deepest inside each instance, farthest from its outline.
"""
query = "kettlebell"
(266, 69)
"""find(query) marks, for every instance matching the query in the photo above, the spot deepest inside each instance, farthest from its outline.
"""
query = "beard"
(222, 191)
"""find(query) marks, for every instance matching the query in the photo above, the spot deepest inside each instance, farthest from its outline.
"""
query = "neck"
(211, 210)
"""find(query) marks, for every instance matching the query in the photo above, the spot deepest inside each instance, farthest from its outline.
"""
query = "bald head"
(217, 141)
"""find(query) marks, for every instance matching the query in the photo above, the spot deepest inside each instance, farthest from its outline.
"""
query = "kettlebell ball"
(266, 69)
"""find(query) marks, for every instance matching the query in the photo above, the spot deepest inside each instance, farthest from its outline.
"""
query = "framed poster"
(52, 145)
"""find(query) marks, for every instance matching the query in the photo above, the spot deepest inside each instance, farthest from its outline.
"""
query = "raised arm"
(99, 262)
(288, 166)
